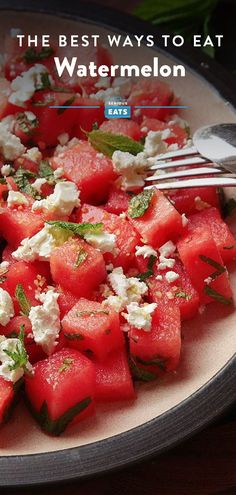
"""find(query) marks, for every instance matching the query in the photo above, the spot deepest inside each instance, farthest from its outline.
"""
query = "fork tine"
(209, 182)
(186, 173)
(179, 163)
(182, 152)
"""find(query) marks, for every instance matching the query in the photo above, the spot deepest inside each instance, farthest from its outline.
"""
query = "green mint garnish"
(22, 300)
(80, 229)
(107, 143)
(82, 255)
(140, 203)
(219, 268)
(217, 296)
(31, 56)
(67, 103)
(19, 356)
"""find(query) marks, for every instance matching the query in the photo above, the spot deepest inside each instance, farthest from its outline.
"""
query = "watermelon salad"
(97, 274)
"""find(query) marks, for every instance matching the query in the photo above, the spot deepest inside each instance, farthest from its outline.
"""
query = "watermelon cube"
(61, 390)
(157, 351)
(6, 399)
(88, 326)
(18, 223)
(113, 378)
(160, 222)
(222, 236)
(192, 200)
(91, 171)
(202, 261)
(79, 278)
(126, 236)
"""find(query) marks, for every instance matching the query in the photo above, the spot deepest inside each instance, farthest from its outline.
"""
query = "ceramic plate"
(169, 411)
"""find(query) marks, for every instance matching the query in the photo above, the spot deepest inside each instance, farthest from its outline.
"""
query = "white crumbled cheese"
(40, 246)
(10, 145)
(58, 173)
(62, 201)
(103, 241)
(184, 220)
(6, 170)
(165, 263)
(103, 82)
(45, 321)
(144, 129)
(16, 198)
(33, 154)
(63, 138)
(9, 122)
(60, 149)
(159, 277)
(38, 183)
(30, 116)
(171, 276)
(11, 345)
(208, 280)
(114, 302)
(167, 249)
(24, 86)
(6, 307)
(140, 316)
(176, 119)
(123, 85)
(154, 144)
(132, 169)
(145, 251)
(128, 289)
(4, 265)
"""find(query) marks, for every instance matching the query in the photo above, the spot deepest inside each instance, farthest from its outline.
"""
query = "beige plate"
(209, 340)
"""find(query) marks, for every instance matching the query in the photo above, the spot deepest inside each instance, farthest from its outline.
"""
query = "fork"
(213, 154)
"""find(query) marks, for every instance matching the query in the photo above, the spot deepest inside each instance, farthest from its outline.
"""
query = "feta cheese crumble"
(167, 249)
(132, 169)
(184, 220)
(6, 307)
(45, 321)
(40, 246)
(103, 241)
(62, 201)
(16, 198)
(24, 86)
(10, 145)
(145, 251)
(38, 183)
(140, 316)
(13, 346)
(6, 170)
(154, 142)
(33, 154)
(126, 289)
(171, 276)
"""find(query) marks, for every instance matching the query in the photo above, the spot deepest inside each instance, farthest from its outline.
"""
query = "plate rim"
(198, 409)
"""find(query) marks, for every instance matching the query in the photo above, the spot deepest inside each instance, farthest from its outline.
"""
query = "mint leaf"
(139, 373)
(47, 172)
(74, 336)
(22, 300)
(22, 179)
(66, 365)
(151, 262)
(31, 56)
(82, 255)
(19, 356)
(158, 361)
(79, 229)
(67, 103)
(219, 268)
(183, 295)
(107, 143)
(57, 426)
(217, 296)
(139, 204)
